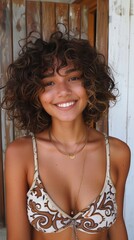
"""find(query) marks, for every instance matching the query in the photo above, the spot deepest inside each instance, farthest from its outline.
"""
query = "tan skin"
(60, 175)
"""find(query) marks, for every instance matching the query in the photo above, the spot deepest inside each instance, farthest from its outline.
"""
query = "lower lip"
(66, 108)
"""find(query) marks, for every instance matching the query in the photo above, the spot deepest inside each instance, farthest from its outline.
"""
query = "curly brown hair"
(35, 58)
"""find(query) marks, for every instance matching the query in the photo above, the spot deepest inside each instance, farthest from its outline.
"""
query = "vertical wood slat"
(19, 33)
(102, 46)
(84, 21)
(129, 209)
(19, 22)
(119, 27)
(102, 26)
(74, 20)
(5, 59)
(91, 32)
(62, 16)
(121, 117)
(33, 17)
(48, 19)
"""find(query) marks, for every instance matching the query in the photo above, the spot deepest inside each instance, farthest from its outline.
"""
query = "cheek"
(44, 101)
(44, 98)
(83, 93)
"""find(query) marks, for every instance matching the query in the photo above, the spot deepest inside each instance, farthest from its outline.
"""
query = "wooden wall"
(17, 19)
(121, 117)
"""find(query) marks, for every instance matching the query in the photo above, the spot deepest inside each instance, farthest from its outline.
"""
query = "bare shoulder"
(119, 148)
(120, 163)
(17, 164)
(19, 151)
(120, 155)
(19, 143)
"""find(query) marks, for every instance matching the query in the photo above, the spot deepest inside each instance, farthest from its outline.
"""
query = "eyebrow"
(71, 70)
(48, 75)
(66, 72)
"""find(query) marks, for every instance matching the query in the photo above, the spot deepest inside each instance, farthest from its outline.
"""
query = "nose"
(63, 89)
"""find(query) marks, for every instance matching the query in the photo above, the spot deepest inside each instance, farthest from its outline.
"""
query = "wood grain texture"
(102, 27)
(18, 33)
(33, 16)
(121, 117)
(19, 24)
(91, 28)
(119, 44)
(129, 209)
(5, 59)
(91, 4)
(102, 46)
(75, 20)
(62, 16)
(84, 21)
(48, 19)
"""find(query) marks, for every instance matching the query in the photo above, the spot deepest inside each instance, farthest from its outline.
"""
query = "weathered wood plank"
(5, 39)
(129, 209)
(5, 56)
(75, 20)
(91, 28)
(48, 19)
(92, 8)
(102, 45)
(92, 4)
(6, 134)
(62, 16)
(19, 24)
(121, 120)
(18, 32)
(119, 59)
(84, 21)
(33, 16)
(102, 26)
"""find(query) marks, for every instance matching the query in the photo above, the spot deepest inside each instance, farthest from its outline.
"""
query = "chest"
(72, 184)
(82, 186)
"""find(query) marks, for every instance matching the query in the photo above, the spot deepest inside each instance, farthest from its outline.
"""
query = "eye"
(75, 78)
(48, 84)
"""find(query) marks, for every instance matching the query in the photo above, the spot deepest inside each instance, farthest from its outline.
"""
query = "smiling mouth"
(65, 105)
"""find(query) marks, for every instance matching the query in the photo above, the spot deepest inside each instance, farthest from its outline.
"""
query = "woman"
(64, 180)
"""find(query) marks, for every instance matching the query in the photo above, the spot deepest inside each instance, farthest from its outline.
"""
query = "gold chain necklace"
(73, 212)
(70, 155)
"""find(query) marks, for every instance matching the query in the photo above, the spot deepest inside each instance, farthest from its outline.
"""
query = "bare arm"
(16, 188)
(120, 155)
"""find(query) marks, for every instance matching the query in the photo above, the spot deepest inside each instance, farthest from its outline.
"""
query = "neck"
(69, 132)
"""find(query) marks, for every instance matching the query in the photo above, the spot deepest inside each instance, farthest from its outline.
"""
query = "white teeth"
(64, 105)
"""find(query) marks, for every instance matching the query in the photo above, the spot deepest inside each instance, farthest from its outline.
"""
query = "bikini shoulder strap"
(107, 154)
(35, 155)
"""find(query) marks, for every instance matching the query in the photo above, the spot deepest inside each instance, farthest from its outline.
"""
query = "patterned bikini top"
(44, 215)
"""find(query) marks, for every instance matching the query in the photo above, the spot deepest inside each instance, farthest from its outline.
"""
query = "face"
(64, 97)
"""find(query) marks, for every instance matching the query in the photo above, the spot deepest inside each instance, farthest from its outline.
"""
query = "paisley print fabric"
(44, 215)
